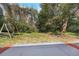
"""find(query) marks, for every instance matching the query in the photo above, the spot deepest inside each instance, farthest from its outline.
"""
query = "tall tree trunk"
(64, 26)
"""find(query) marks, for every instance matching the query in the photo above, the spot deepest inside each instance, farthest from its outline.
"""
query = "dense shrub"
(73, 26)
(24, 27)
(1, 21)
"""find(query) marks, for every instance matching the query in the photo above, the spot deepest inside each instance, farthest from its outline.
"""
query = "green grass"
(72, 34)
(27, 38)
(23, 38)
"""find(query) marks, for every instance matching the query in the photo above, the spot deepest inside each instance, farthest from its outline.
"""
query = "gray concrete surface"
(42, 50)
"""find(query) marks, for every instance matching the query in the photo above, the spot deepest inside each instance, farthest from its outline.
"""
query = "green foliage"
(1, 21)
(24, 27)
(73, 25)
(53, 18)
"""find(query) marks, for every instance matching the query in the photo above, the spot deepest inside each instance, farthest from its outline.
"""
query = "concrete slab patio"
(42, 50)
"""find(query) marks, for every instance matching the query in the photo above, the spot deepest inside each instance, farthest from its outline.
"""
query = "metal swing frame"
(6, 27)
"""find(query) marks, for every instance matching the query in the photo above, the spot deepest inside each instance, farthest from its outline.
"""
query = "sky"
(31, 5)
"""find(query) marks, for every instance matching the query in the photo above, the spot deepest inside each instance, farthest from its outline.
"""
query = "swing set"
(5, 25)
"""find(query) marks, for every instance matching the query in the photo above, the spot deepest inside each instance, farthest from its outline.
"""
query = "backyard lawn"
(27, 38)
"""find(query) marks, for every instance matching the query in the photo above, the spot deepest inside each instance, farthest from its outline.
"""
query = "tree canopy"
(52, 17)
(58, 17)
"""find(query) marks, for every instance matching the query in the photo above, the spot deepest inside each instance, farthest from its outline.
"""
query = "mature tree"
(54, 17)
